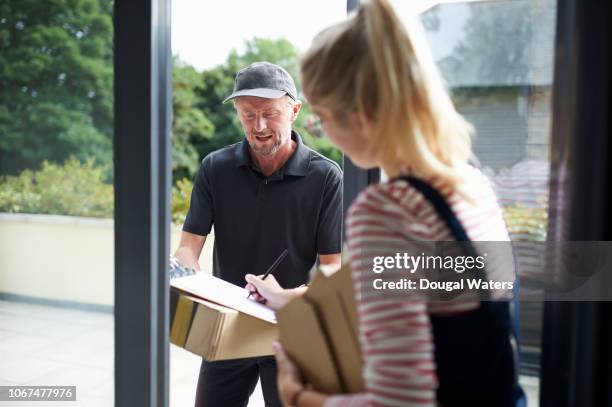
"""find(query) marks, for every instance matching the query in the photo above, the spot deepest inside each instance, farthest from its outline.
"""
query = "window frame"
(142, 131)
(580, 332)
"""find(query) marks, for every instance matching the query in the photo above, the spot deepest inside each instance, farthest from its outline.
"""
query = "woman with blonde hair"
(380, 98)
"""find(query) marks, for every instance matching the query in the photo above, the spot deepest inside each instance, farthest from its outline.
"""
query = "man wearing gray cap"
(266, 194)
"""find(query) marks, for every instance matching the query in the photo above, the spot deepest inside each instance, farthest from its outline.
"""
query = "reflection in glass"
(497, 59)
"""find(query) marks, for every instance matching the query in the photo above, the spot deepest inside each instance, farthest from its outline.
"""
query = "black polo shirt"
(298, 208)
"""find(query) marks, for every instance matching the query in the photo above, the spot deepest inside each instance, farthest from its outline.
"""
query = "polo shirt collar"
(297, 164)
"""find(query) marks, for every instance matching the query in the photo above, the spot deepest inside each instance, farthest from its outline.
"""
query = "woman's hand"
(289, 380)
(268, 291)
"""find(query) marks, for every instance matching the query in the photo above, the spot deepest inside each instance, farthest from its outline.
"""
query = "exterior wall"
(64, 258)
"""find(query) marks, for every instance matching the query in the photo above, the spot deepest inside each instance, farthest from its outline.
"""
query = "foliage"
(190, 127)
(56, 90)
(56, 102)
(74, 188)
(55, 82)
(181, 198)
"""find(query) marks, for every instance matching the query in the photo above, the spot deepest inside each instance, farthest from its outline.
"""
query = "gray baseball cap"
(264, 80)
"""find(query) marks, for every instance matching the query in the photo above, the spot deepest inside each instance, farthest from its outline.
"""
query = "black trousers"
(230, 383)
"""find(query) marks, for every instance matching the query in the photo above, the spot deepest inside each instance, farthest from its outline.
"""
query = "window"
(56, 197)
(497, 60)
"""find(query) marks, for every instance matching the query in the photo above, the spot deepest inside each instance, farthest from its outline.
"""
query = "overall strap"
(448, 216)
(440, 205)
(455, 349)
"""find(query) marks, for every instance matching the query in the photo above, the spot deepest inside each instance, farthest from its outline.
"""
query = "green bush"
(181, 197)
(74, 188)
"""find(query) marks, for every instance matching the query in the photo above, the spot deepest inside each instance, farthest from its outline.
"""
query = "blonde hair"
(373, 65)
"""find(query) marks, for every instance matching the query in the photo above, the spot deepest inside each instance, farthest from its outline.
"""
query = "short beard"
(267, 151)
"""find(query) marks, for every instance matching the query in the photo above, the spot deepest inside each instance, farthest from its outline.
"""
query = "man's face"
(266, 122)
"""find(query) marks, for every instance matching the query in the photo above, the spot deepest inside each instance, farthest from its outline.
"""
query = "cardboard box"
(319, 332)
(217, 332)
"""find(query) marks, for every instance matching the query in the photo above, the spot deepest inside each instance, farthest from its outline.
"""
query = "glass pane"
(497, 59)
(211, 41)
(56, 197)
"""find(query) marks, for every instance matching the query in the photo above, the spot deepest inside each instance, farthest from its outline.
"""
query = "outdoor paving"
(41, 345)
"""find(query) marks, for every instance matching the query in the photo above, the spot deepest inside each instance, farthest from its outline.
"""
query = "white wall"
(63, 257)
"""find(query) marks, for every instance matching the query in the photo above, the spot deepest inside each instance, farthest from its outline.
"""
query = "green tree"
(56, 93)
(190, 127)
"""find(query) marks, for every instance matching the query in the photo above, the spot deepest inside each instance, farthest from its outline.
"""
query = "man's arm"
(329, 234)
(330, 262)
(189, 250)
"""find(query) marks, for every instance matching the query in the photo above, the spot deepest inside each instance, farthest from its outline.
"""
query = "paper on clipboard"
(214, 289)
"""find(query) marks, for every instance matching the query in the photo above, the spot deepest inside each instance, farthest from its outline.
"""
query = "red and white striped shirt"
(395, 333)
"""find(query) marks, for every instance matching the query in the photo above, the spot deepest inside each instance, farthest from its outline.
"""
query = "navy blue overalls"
(476, 352)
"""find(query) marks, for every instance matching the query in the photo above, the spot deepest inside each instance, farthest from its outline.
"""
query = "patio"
(42, 345)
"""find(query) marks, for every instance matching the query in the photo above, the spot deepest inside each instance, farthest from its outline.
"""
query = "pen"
(272, 268)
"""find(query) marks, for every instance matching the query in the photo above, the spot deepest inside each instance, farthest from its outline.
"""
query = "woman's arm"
(270, 292)
(394, 326)
(291, 388)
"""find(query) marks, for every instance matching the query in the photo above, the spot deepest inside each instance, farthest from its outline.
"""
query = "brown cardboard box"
(217, 332)
(319, 332)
